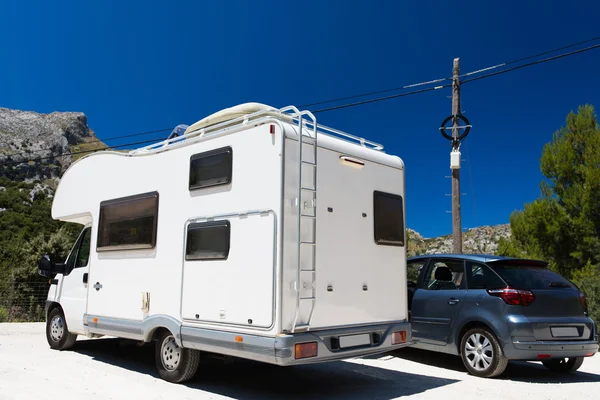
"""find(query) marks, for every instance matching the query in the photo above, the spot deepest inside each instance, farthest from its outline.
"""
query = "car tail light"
(514, 297)
(399, 337)
(306, 350)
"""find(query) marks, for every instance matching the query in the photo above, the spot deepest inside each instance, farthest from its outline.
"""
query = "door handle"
(453, 301)
(85, 278)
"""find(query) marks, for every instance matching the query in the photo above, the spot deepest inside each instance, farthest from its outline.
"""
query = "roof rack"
(289, 114)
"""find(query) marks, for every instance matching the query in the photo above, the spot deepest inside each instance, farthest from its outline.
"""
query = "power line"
(372, 93)
(362, 95)
(381, 98)
(77, 152)
(445, 79)
(94, 141)
(139, 134)
(504, 71)
(531, 56)
(462, 82)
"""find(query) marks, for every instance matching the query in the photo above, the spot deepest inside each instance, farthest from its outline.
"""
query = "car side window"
(413, 270)
(445, 275)
(480, 276)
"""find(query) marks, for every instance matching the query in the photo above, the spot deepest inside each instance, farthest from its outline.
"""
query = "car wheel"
(481, 353)
(174, 363)
(57, 332)
(563, 365)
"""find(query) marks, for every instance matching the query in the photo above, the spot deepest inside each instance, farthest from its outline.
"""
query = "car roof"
(483, 258)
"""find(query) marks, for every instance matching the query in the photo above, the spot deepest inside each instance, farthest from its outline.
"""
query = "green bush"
(588, 280)
(3, 314)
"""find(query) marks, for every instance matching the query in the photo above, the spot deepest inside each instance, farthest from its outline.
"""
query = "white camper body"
(240, 242)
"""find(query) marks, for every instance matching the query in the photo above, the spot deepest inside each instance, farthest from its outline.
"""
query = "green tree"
(57, 245)
(27, 231)
(562, 226)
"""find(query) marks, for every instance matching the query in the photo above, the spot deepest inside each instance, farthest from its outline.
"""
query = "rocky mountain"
(35, 149)
(481, 240)
(50, 139)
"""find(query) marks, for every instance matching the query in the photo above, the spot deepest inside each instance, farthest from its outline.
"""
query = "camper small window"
(211, 168)
(128, 223)
(208, 241)
(388, 216)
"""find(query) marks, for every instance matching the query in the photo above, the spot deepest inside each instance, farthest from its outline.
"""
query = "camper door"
(229, 270)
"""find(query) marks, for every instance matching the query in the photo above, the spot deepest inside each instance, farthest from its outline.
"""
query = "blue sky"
(136, 66)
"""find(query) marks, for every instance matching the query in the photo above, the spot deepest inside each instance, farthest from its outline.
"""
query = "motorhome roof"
(238, 118)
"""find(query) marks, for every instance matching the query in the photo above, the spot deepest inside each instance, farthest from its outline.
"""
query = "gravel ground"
(119, 369)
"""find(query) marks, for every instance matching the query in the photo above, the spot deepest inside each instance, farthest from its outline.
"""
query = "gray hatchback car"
(491, 309)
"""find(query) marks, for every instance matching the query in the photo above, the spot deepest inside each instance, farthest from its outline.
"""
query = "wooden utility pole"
(456, 222)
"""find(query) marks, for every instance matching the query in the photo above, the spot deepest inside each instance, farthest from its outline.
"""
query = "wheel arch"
(51, 305)
(471, 324)
(153, 324)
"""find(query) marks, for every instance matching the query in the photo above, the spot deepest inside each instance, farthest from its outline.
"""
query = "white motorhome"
(256, 233)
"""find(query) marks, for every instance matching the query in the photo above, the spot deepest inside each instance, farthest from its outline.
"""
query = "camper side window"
(208, 241)
(388, 215)
(128, 223)
(211, 168)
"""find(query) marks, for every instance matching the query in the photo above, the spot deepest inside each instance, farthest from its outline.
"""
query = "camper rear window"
(212, 168)
(128, 223)
(388, 215)
(208, 241)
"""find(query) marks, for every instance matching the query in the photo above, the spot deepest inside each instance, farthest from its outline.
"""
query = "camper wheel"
(57, 332)
(174, 363)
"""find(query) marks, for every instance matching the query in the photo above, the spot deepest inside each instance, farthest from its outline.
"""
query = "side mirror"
(49, 269)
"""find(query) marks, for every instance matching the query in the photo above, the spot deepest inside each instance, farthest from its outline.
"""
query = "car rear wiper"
(559, 285)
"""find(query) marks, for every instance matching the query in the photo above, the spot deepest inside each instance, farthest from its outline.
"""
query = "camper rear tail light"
(399, 337)
(306, 350)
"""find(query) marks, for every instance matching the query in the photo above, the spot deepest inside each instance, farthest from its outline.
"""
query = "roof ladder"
(307, 227)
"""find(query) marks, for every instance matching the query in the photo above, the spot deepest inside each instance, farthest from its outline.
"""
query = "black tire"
(57, 331)
(179, 364)
(482, 354)
(563, 365)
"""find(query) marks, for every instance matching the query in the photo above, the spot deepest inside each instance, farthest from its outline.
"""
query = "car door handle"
(85, 278)
(453, 301)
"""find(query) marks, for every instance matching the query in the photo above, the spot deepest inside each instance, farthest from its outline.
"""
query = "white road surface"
(118, 369)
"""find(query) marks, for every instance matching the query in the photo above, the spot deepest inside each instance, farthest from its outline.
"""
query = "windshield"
(528, 277)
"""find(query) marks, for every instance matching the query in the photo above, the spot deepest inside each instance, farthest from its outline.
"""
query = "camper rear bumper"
(339, 344)
(332, 344)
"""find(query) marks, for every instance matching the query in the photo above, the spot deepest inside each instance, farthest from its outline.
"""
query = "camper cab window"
(128, 223)
(212, 168)
(389, 219)
(208, 241)
(80, 254)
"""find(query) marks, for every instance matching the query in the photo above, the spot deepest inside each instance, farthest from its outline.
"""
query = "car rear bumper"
(280, 349)
(540, 350)
(532, 338)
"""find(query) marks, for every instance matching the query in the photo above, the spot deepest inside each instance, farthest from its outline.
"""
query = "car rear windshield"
(530, 277)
